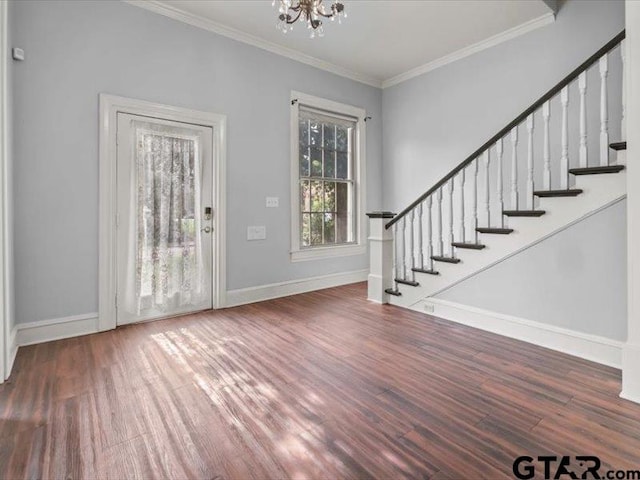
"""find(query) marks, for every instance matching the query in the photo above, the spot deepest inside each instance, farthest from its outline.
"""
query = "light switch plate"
(272, 202)
(258, 232)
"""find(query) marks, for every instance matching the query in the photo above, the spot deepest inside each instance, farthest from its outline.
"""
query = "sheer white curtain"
(165, 250)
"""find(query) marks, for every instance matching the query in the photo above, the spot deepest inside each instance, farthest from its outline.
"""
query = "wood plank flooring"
(321, 385)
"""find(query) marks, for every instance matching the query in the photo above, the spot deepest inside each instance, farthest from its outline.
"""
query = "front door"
(164, 219)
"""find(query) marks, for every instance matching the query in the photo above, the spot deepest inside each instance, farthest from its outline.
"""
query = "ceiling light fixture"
(310, 11)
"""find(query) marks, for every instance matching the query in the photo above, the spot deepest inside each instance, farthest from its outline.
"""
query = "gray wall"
(76, 50)
(576, 279)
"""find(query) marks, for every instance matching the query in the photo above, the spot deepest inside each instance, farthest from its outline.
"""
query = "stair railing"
(437, 239)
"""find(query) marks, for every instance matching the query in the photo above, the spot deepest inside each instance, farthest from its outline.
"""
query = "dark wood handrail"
(537, 104)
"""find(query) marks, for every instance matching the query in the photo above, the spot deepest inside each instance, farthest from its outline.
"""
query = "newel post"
(380, 256)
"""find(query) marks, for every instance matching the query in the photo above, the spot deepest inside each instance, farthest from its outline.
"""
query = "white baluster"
(604, 114)
(430, 230)
(439, 223)
(582, 86)
(462, 220)
(411, 243)
(404, 248)
(546, 151)
(499, 185)
(396, 262)
(529, 203)
(450, 239)
(623, 122)
(487, 206)
(564, 156)
(514, 168)
(474, 197)
(420, 239)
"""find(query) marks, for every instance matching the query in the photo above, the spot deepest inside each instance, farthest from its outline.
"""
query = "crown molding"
(215, 27)
(516, 31)
(175, 13)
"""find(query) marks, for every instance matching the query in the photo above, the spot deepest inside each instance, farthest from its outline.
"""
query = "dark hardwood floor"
(320, 385)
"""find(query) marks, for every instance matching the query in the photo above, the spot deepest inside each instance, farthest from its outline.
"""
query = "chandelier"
(310, 11)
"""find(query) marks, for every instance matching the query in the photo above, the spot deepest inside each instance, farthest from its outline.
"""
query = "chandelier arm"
(295, 19)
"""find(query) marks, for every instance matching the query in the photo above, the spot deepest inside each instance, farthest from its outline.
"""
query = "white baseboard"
(56, 329)
(590, 347)
(243, 296)
(13, 348)
(631, 372)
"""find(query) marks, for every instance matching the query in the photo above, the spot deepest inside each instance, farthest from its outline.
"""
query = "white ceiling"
(380, 39)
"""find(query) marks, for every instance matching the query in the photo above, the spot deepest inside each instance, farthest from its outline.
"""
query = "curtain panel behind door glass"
(168, 247)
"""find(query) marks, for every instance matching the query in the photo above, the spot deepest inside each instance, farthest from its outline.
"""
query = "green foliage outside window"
(326, 186)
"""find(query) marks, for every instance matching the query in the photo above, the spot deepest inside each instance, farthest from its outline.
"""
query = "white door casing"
(110, 107)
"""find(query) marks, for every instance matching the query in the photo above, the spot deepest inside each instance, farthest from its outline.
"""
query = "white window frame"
(359, 247)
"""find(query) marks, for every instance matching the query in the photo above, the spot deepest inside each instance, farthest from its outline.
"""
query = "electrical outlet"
(429, 307)
(257, 232)
(272, 202)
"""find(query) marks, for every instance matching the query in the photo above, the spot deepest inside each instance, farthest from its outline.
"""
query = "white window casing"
(338, 114)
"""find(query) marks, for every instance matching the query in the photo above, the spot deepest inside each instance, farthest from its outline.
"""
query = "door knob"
(207, 229)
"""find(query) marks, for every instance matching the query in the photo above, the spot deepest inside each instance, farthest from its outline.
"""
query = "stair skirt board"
(596, 170)
(590, 347)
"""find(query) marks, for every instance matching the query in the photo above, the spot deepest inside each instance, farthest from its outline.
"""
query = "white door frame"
(110, 106)
(5, 324)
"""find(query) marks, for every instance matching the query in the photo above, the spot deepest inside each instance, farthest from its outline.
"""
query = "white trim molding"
(358, 114)
(514, 32)
(243, 296)
(56, 329)
(110, 106)
(6, 344)
(590, 347)
(13, 351)
(631, 354)
(215, 27)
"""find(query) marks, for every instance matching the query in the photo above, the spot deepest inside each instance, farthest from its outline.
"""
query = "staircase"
(484, 211)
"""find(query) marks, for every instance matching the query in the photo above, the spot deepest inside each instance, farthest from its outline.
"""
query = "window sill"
(327, 252)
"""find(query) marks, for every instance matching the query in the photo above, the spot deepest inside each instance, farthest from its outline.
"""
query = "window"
(327, 178)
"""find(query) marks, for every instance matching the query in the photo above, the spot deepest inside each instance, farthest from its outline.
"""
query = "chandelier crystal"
(310, 11)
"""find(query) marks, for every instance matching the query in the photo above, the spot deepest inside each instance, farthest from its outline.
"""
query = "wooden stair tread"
(470, 246)
(523, 213)
(411, 283)
(596, 170)
(498, 231)
(618, 146)
(391, 291)
(439, 258)
(572, 192)
(428, 272)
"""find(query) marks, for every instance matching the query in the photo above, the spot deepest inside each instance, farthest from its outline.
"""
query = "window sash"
(342, 218)
(343, 223)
